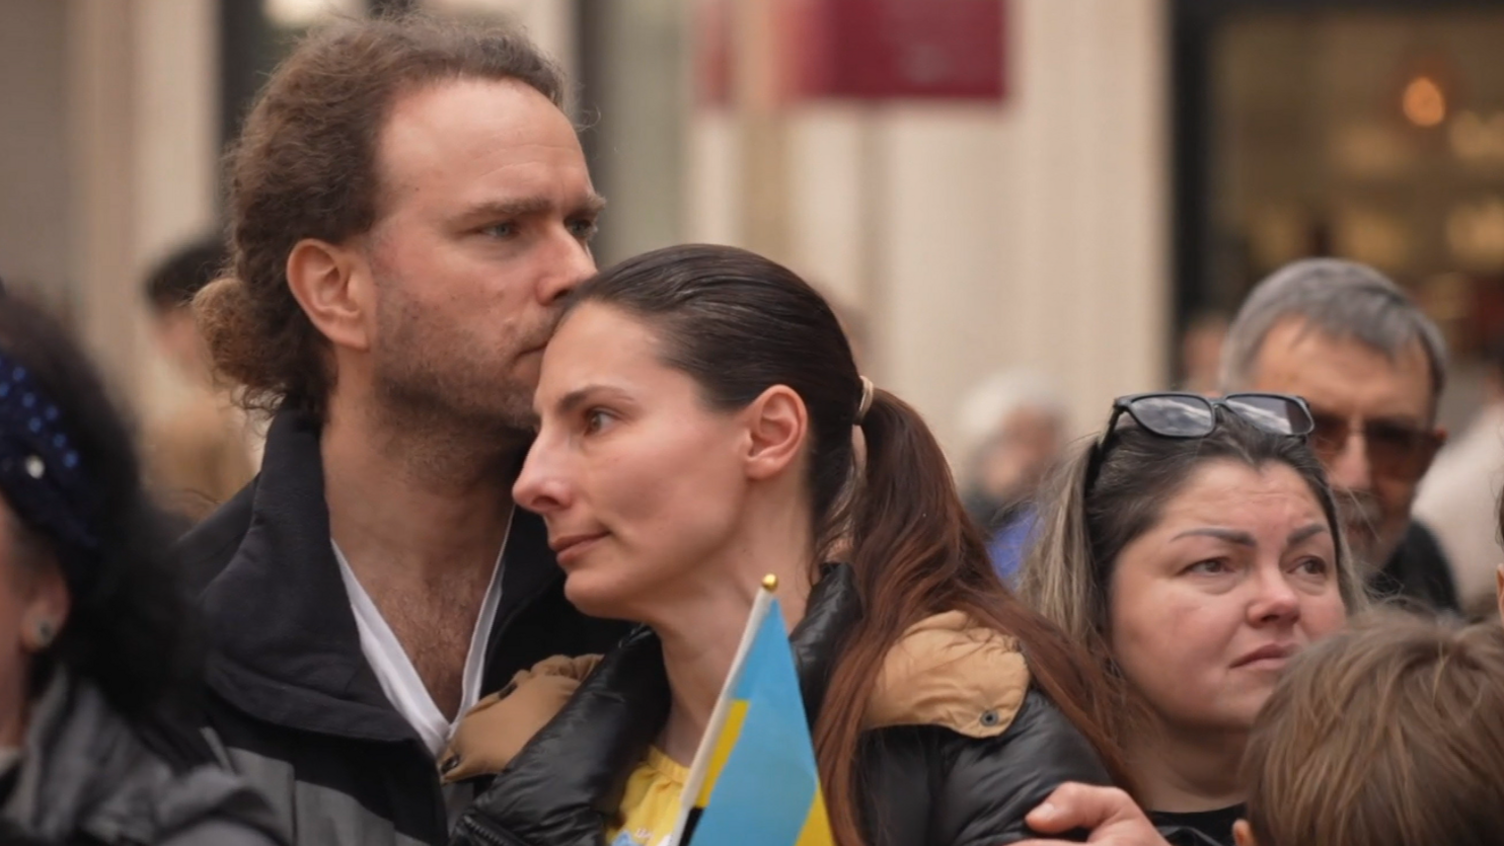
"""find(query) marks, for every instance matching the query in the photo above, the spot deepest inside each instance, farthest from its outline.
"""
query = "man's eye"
(500, 230)
(583, 229)
(1391, 434)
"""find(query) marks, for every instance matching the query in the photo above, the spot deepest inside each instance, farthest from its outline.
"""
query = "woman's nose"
(1276, 600)
(540, 487)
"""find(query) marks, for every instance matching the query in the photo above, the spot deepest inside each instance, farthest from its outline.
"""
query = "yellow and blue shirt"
(650, 806)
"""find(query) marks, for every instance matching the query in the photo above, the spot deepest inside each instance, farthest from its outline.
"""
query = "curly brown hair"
(305, 167)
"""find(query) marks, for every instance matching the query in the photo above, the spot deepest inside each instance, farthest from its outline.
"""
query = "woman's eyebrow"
(579, 396)
(1306, 533)
(1229, 535)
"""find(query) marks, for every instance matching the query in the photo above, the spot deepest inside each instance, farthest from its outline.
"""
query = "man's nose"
(1350, 469)
(571, 264)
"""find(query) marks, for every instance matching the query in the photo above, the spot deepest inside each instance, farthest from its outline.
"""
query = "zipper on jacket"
(470, 830)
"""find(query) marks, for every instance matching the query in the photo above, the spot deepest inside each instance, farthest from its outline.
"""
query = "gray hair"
(1342, 299)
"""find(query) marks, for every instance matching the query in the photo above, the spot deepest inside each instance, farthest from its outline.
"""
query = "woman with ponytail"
(701, 417)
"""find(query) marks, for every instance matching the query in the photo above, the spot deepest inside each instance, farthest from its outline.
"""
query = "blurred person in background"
(95, 647)
(1372, 367)
(1194, 548)
(1499, 570)
(1388, 734)
(408, 208)
(1458, 499)
(1201, 352)
(196, 446)
(1015, 426)
(700, 408)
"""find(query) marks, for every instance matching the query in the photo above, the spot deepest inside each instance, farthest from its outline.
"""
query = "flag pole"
(700, 768)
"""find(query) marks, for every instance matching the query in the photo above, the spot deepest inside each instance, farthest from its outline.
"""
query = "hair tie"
(866, 402)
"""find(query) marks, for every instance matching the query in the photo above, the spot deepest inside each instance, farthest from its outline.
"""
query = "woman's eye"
(1211, 566)
(1312, 566)
(596, 420)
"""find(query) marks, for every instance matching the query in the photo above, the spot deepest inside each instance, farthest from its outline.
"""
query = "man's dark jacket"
(1418, 573)
(292, 702)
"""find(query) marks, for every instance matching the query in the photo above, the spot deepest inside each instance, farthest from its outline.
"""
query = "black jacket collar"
(287, 650)
(577, 765)
(833, 608)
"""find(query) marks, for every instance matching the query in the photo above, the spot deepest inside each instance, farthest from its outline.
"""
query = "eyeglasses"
(1394, 450)
(1182, 415)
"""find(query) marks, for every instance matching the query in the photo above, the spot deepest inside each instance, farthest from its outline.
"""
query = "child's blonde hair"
(1391, 732)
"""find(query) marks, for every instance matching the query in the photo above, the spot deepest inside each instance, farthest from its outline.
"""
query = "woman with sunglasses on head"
(94, 650)
(1194, 548)
(699, 413)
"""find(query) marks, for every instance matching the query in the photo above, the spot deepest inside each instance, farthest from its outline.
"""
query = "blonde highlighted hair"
(1388, 734)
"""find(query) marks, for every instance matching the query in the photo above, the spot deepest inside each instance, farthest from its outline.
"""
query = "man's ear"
(1499, 588)
(776, 425)
(333, 285)
(1242, 834)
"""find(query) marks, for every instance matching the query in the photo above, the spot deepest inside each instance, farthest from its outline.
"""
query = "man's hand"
(1108, 813)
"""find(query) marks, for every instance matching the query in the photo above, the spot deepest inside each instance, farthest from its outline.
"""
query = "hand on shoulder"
(1111, 815)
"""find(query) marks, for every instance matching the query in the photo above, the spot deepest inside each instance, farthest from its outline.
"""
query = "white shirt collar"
(395, 671)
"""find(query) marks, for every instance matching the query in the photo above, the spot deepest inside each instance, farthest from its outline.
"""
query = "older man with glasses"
(1372, 368)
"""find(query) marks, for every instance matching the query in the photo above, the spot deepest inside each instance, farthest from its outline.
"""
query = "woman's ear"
(46, 609)
(776, 424)
(1242, 834)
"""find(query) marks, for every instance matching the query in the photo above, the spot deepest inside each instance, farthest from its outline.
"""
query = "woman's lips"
(1271, 656)
(570, 547)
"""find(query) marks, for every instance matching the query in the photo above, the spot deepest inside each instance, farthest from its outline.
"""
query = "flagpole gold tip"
(770, 582)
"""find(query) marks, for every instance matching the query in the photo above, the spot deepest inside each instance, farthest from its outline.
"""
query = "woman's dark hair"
(1108, 495)
(739, 324)
(87, 511)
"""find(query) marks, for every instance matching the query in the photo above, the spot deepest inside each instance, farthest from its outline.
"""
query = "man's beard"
(1363, 523)
(444, 382)
(454, 402)
(425, 379)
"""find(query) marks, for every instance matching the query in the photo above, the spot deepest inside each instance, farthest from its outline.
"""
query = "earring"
(45, 633)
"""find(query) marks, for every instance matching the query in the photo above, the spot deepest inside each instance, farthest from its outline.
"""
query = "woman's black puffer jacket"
(924, 784)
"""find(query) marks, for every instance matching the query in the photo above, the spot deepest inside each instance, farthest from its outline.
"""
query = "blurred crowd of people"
(485, 573)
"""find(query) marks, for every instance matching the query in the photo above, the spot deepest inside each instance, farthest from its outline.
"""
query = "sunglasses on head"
(1183, 415)
(1173, 414)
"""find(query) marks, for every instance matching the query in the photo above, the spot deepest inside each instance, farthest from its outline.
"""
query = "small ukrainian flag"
(754, 781)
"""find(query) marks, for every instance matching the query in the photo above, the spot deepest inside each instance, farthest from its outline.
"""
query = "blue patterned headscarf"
(41, 472)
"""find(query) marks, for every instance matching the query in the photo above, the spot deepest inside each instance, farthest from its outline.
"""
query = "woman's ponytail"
(904, 531)
(915, 553)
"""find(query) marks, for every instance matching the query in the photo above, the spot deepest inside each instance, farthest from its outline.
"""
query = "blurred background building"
(1066, 186)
